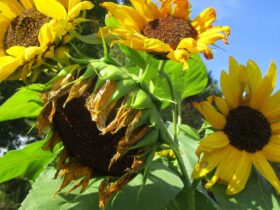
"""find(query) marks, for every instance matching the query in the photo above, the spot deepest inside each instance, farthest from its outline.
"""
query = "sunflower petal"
(182, 9)
(263, 166)
(241, 175)
(208, 163)
(51, 8)
(275, 128)
(214, 141)
(271, 151)
(264, 89)
(75, 11)
(127, 16)
(27, 4)
(271, 107)
(229, 90)
(8, 65)
(146, 8)
(254, 75)
(216, 119)
(204, 20)
(10, 8)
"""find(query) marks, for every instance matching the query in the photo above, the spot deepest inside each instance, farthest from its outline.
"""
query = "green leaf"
(27, 162)
(88, 39)
(162, 185)
(187, 82)
(257, 195)
(180, 202)
(187, 146)
(24, 103)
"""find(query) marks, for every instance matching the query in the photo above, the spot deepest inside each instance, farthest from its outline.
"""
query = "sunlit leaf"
(27, 162)
(257, 195)
(24, 103)
(162, 185)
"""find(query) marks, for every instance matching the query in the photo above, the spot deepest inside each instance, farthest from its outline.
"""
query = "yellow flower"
(167, 30)
(30, 29)
(102, 133)
(247, 128)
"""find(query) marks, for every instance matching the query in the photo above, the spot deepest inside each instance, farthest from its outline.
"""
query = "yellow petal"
(271, 151)
(216, 119)
(10, 8)
(76, 10)
(264, 89)
(182, 8)
(31, 52)
(127, 16)
(8, 65)
(4, 22)
(16, 51)
(275, 128)
(229, 91)
(46, 34)
(222, 105)
(263, 166)
(214, 141)
(179, 55)
(27, 4)
(166, 7)
(241, 174)
(215, 33)
(209, 162)
(51, 8)
(146, 8)
(271, 107)
(254, 75)
(225, 168)
(72, 3)
(188, 44)
(204, 20)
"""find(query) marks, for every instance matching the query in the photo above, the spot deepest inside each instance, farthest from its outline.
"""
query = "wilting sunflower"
(31, 29)
(247, 128)
(167, 31)
(105, 127)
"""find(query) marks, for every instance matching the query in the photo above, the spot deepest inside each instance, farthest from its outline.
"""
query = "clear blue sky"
(255, 27)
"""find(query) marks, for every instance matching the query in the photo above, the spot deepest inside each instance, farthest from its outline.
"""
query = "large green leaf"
(161, 187)
(257, 195)
(187, 82)
(188, 142)
(24, 103)
(27, 162)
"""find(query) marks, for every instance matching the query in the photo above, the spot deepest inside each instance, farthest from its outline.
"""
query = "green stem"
(185, 178)
(175, 107)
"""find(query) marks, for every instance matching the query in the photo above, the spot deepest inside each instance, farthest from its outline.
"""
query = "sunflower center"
(170, 30)
(83, 140)
(24, 29)
(247, 129)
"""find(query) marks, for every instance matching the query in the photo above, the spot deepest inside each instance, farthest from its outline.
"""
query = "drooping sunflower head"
(32, 30)
(168, 31)
(247, 128)
(105, 127)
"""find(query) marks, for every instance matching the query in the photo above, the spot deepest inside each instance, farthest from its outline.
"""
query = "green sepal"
(140, 100)
(122, 89)
(149, 139)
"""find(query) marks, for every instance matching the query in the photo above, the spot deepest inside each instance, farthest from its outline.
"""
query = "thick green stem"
(175, 105)
(185, 178)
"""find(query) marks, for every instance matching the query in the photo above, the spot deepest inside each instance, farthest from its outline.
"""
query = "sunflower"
(247, 128)
(104, 126)
(167, 31)
(31, 29)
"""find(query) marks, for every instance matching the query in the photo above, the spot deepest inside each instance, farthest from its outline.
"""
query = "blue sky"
(255, 26)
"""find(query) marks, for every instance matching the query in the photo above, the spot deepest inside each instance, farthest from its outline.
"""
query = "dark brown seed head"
(24, 29)
(83, 141)
(170, 30)
(247, 129)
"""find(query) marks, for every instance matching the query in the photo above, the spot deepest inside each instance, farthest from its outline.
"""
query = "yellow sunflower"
(30, 29)
(167, 30)
(247, 128)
